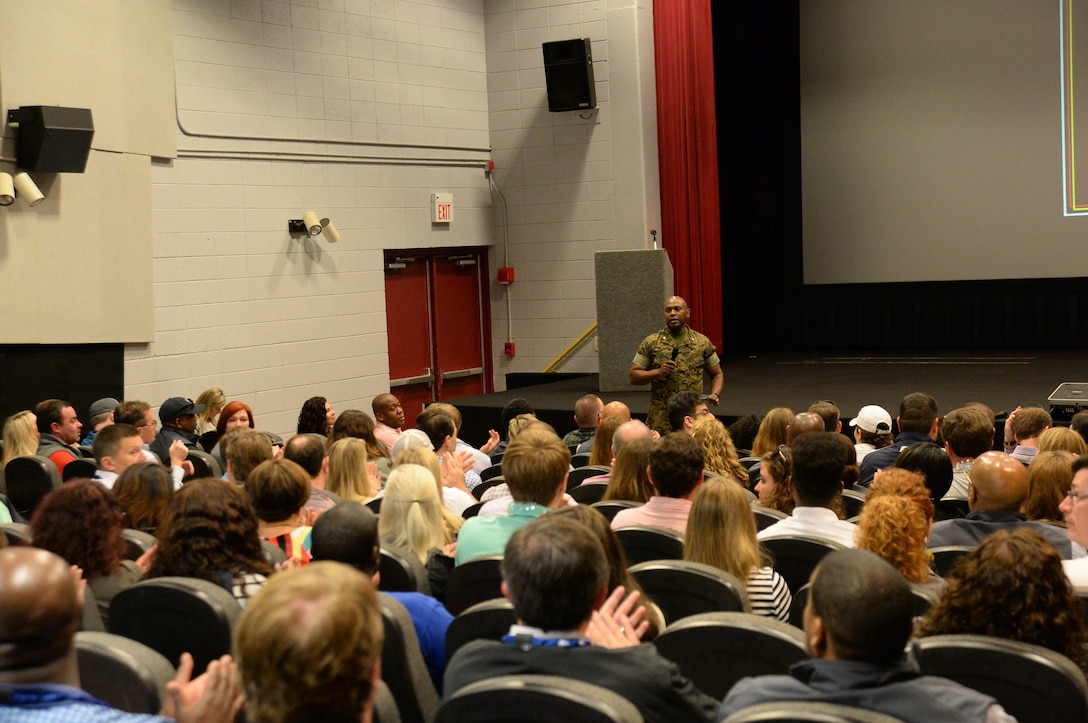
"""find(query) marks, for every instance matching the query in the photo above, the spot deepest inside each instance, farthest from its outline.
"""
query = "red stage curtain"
(688, 154)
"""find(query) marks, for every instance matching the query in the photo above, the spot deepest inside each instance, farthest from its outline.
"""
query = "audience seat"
(272, 553)
(682, 589)
(489, 620)
(208, 440)
(92, 616)
(27, 480)
(643, 543)
(174, 615)
(479, 489)
(493, 471)
(536, 699)
(795, 557)
(945, 558)
(589, 494)
(124, 673)
(375, 505)
(765, 516)
(79, 469)
(579, 474)
(580, 460)
(715, 650)
(138, 543)
(402, 572)
(1031, 682)
(852, 502)
(805, 712)
(610, 508)
(473, 581)
(403, 669)
(385, 706)
(749, 462)
(204, 465)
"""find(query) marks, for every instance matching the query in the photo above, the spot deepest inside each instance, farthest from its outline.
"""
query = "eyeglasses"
(152, 423)
(703, 414)
(1076, 495)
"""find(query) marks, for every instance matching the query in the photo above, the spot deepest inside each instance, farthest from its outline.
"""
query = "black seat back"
(28, 480)
(473, 581)
(536, 699)
(124, 673)
(795, 557)
(681, 588)
(403, 669)
(643, 543)
(489, 620)
(402, 572)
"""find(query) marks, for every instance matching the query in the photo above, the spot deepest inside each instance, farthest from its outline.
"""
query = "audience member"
(351, 476)
(803, 423)
(612, 409)
(828, 411)
(41, 607)
(743, 431)
(353, 423)
(719, 454)
(895, 523)
(389, 415)
(144, 491)
(236, 415)
(116, 448)
(454, 498)
(178, 416)
(1079, 424)
(213, 400)
(81, 522)
(630, 430)
(309, 647)
(100, 415)
(999, 486)
(1011, 587)
(816, 483)
(930, 461)
(968, 433)
(210, 533)
(20, 436)
(722, 532)
(480, 457)
(918, 421)
(245, 449)
(858, 621)
(619, 572)
(441, 429)
(587, 415)
(58, 432)
(774, 486)
(555, 574)
(601, 455)
(675, 471)
(1062, 438)
(279, 490)
(535, 467)
(629, 480)
(1027, 424)
(308, 452)
(1049, 477)
(1076, 521)
(514, 408)
(316, 417)
(685, 409)
(139, 415)
(772, 431)
(872, 430)
(411, 521)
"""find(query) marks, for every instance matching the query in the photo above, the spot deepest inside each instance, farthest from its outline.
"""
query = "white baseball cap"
(873, 419)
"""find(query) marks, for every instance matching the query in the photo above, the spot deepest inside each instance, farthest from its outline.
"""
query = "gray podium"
(631, 290)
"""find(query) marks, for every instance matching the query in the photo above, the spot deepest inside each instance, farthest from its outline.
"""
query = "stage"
(753, 385)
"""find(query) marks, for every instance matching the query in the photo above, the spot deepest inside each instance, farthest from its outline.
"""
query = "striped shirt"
(769, 594)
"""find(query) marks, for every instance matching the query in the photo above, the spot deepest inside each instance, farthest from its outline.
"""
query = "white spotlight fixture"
(7, 189)
(310, 225)
(329, 231)
(313, 226)
(28, 190)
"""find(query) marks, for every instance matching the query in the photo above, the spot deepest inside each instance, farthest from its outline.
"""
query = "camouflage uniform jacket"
(696, 354)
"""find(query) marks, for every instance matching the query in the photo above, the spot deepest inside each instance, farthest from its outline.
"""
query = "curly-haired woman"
(210, 533)
(316, 417)
(718, 450)
(81, 522)
(1012, 586)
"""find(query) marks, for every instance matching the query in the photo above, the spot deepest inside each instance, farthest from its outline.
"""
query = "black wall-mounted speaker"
(53, 139)
(568, 72)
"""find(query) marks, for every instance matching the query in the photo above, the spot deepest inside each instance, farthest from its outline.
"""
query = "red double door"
(438, 317)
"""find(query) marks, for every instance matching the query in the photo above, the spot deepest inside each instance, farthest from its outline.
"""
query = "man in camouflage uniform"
(673, 360)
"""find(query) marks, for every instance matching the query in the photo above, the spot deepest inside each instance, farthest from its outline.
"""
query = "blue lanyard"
(525, 641)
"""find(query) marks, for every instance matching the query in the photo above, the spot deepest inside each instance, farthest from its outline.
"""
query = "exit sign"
(441, 207)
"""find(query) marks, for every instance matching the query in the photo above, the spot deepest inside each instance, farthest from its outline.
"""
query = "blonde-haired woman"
(20, 436)
(719, 453)
(772, 431)
(1064, 439)
(722, 532)
(629, 480)
(411, 520)
(213, 400)
(351, 477)
(454, 501)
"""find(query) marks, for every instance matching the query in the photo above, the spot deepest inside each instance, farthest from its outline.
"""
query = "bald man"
(673, 360)
(41, 606)
(803, 423)
(612, 409)
(999, 486)
(389, 415)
